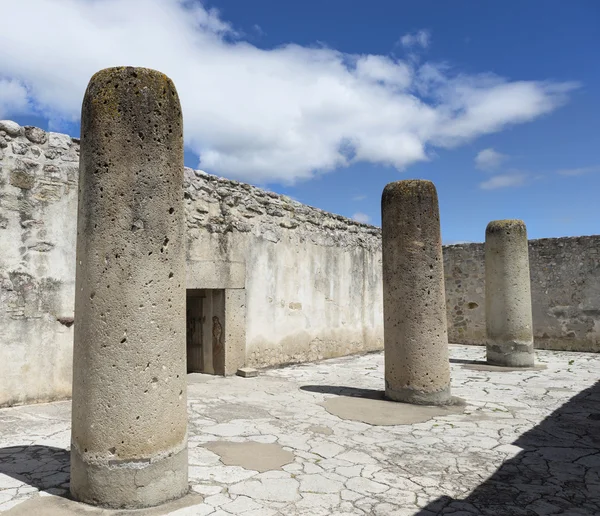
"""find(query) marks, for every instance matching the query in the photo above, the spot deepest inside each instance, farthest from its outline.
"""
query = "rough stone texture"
(526, 444)
(312, 279)
(10, 128)
(129, 428)
(565, 289)
(326, 299)
(38, 214)
(235, 331)
(414, 310)
(247, 372)
(508, 295)
(464, 271)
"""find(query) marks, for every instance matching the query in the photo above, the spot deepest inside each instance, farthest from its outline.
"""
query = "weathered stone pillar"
(417, 368)
(129, 429)
(508, 295)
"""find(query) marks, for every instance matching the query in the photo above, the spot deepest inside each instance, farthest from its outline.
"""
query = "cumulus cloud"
(489, 159)
(503, 181)
(13, 98)
(420, 38)
(361, 217)
(277, 115)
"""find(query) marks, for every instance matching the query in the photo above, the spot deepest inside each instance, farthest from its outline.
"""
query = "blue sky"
(498, 103)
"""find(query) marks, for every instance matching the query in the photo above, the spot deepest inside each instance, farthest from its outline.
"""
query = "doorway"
(205, 331)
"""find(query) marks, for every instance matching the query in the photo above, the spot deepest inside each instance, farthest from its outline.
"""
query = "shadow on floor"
(354, 392)
(557, 471)
(469, 362)
(43, 467)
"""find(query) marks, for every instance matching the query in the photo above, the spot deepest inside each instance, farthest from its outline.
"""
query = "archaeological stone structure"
(565, 293)
(509, 324)
(417, 368)
(129, 416)
(286, 282)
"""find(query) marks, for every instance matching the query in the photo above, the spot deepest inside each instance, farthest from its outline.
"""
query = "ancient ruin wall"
(565, 291)
(312, 279)
(38, 212)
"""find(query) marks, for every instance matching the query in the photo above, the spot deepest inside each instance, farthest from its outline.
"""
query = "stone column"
(129, 428)
(508, 295)
(417, 368)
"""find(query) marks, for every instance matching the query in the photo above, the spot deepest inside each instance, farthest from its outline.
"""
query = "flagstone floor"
(525, 443)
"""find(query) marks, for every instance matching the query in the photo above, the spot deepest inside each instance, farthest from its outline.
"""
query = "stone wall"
(308, 282)
(38, 210)
(565, 291)
(310, 279)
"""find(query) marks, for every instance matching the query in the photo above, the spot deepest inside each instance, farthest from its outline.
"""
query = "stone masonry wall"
(38, 211)
(312, 279)
(565, 291)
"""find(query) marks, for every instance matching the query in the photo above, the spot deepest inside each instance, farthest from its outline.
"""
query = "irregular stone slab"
(274, 489)
(251, 455)
(318, 429)
(387, 413)
(35, 134)
(11, 128)
(224, 413)
(58, 506)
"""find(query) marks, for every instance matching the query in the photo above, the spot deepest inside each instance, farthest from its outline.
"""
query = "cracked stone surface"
(527, 443)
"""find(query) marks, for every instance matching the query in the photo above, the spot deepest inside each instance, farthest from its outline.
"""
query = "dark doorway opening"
(205, 334)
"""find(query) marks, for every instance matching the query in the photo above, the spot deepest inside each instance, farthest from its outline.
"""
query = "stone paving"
(527, 443)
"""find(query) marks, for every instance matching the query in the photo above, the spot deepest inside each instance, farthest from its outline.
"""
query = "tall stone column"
(417, 368)
(129, 427)
(508, 295)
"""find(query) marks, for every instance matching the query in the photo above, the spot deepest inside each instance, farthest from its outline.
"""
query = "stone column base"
(510, 354)
(131, 484)
(405, 395)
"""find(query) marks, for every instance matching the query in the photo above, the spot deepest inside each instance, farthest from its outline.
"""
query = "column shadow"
(43, 467)
(355, 392)
(557, 471)
(466, 362)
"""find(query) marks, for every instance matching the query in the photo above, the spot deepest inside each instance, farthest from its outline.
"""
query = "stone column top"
(407, 186)
(496, 226)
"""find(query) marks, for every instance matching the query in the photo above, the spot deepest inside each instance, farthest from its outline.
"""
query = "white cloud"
(258, 115)
(503, 181)
(359, 197)
(489, 159)
(420, 38)
(578, 171)
(361, 217)
(13, 97)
